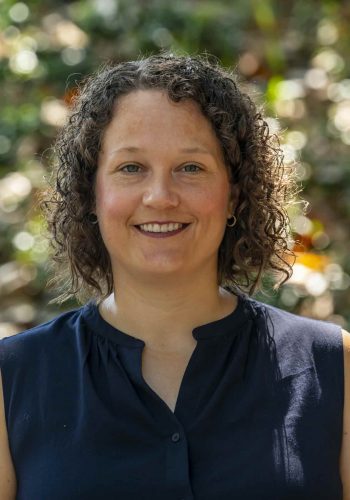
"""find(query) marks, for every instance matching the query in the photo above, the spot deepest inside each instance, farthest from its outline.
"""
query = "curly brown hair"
(260, 241)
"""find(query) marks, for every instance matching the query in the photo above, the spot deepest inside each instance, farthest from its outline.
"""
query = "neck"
(163, 314)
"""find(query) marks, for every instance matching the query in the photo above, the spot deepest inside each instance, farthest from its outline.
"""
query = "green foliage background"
(293, 56)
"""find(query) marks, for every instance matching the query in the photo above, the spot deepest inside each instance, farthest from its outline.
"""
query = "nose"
(160, 193)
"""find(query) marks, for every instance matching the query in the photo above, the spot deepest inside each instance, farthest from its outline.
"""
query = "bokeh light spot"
(72, 56)
(289, 89)
(54, 112)
(19, 12)
(341, 116)
(302, 225)
(316, 284)
(11, 33)
(327, 32)
(162, 37)
(339, 91)
(297, 139)
(23, 241)
(106, 8)
(248, 64)
(320, 240)
(328, 60)
(316, 78)
(24, 62)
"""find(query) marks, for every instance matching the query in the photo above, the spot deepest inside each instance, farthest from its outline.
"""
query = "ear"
(233, 201)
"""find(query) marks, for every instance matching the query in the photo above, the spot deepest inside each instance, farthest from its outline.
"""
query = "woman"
(171, 382)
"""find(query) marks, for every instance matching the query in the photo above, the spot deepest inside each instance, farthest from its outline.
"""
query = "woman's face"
(162, 189)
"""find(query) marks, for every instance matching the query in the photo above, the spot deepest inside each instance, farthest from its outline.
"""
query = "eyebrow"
(134, 149)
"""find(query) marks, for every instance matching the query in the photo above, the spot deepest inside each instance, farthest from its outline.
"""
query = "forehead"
(152, 100)
(151, 114)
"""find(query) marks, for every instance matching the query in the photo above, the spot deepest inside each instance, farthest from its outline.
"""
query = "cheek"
(214, 202)
(110, 203)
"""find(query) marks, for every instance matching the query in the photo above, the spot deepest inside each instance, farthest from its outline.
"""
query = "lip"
(170, 234)
(162, 222)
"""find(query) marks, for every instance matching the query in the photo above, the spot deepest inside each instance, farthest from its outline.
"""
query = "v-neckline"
(156, 375)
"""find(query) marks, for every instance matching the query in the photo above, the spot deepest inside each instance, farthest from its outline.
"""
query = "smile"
(161, 230)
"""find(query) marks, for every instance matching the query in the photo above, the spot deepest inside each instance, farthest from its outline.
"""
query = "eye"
(130, 168)
(191, 168)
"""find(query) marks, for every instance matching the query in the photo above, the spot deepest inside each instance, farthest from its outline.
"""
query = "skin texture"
(161, 189)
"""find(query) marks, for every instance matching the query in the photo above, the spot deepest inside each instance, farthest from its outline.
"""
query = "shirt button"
(175, 437)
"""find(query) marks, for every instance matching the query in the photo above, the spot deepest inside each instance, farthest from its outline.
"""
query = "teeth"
(160, 228)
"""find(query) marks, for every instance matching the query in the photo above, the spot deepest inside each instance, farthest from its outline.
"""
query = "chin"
(161, 268)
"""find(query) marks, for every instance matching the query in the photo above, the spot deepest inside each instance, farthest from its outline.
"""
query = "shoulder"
(39, 337)
(346, 341)
(300, 342)
(346, 345)
(345, 454)
(346, 349)
(294, 328)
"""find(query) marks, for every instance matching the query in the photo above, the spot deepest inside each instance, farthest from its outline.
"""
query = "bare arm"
(8, 483)
(345, 453)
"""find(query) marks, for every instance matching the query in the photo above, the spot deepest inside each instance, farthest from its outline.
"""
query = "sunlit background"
(294, 58)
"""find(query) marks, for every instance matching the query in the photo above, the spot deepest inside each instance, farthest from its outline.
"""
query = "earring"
(92, 218)
(231, 224)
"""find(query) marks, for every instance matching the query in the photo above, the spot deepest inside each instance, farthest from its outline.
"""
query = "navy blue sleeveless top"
(258, 416)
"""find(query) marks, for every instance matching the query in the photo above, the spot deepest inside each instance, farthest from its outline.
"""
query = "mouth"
(158, 230)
